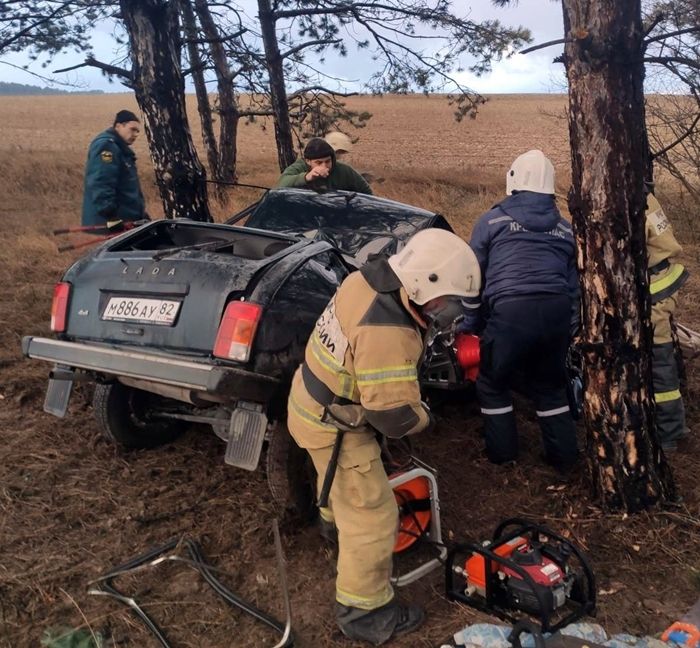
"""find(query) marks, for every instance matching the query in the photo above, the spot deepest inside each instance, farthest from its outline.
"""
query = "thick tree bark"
(278, 89)
(609, 160)
(228, 107)
(153, 31)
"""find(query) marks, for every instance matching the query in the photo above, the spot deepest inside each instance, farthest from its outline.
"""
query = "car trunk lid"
(166, 285)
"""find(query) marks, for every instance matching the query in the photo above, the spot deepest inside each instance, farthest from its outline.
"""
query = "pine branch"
(302, 46)
(678, 32)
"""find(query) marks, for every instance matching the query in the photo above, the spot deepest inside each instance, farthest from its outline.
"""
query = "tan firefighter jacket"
(365, 348)
(666, 277)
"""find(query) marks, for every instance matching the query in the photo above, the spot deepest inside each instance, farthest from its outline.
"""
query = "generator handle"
(525, 625)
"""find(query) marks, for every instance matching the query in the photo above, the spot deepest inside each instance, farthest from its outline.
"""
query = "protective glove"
(464, 326)
(431, 422)
(345, 417)
(431, 419)
(115, 224)
(473, 320)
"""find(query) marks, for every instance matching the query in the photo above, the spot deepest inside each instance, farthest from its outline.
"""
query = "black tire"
(291, 476)
(124, 415)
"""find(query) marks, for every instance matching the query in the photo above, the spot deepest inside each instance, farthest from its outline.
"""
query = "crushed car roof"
(357, 224)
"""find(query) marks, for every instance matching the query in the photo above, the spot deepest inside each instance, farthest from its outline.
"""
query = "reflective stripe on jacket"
(666, 277)
(365, 349)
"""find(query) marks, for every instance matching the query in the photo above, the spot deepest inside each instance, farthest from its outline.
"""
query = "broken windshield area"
(357, 224)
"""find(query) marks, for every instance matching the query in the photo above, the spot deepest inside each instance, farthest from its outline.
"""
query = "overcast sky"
(533, 72)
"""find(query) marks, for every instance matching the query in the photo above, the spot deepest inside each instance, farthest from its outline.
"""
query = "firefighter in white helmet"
(361, 360)
(528, 308)
(666, 277)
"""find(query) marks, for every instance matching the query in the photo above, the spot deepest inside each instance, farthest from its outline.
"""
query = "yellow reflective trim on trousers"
(364, 602)
(327, 361)
(403, 373)
(673, 275)
(665, 397)
(309, 416)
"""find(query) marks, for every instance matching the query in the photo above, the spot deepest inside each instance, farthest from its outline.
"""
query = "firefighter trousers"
(670, 411)
(364, 510)
(524, 346)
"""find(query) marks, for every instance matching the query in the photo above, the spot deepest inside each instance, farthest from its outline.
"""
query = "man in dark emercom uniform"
(112, 190)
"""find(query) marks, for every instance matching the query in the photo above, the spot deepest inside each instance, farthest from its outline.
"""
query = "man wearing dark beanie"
(319, 170)
(112, 189)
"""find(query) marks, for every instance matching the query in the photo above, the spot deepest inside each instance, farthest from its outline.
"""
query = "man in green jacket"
(112, 190)
(319, 170)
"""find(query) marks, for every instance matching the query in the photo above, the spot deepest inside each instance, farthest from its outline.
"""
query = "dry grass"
(413, 142)
(70, 506)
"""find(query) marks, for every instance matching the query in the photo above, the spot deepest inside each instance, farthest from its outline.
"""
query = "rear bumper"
(167, 369)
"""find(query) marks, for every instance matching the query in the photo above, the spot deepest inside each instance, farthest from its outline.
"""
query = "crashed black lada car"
(181, 322)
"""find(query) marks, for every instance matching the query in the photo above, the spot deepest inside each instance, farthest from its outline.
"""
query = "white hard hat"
(436, 263)
(339, 141)
(531, 171)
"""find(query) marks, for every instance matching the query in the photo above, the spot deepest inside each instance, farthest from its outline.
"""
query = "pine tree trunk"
(278, 89)
(154, 31)
(200, 89)
(609, 160)
(229, 114)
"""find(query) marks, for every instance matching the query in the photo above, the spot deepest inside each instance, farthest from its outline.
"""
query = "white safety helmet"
(340, 142)
(436, 263)
(531, 171)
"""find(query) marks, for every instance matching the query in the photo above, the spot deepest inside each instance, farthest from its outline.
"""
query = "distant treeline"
(23, 89)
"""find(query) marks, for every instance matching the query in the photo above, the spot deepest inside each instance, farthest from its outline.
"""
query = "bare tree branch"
(534, 48)
(303, 46)
(687, 133)
(316, 88)
(673, 34)
(92, 62)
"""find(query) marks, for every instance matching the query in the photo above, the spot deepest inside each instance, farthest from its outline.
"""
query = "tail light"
(234, 340)
(59, 306)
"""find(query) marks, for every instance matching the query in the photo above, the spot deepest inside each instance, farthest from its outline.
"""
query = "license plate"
(145, 311)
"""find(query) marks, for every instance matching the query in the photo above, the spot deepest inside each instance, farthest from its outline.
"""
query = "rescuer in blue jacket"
(112, 189)
(528, 307)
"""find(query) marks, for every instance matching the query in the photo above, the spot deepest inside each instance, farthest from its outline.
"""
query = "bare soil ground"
(71, 506)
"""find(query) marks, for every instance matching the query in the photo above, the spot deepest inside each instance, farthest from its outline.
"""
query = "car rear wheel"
(291, 475)
(126, 416)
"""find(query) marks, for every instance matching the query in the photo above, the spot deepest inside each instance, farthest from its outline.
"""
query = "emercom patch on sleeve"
(330, 335)
(658, 221)
(106, 157)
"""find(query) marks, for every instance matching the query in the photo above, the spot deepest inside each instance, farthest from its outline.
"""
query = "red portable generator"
(526, 568)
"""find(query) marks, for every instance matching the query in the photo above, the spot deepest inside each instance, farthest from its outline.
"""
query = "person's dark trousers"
(527, 338)
(670, 412)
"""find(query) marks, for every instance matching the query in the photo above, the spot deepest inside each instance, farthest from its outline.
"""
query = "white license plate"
(137, 309)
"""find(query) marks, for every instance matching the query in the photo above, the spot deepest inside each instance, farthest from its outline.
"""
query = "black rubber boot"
(379, 625)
